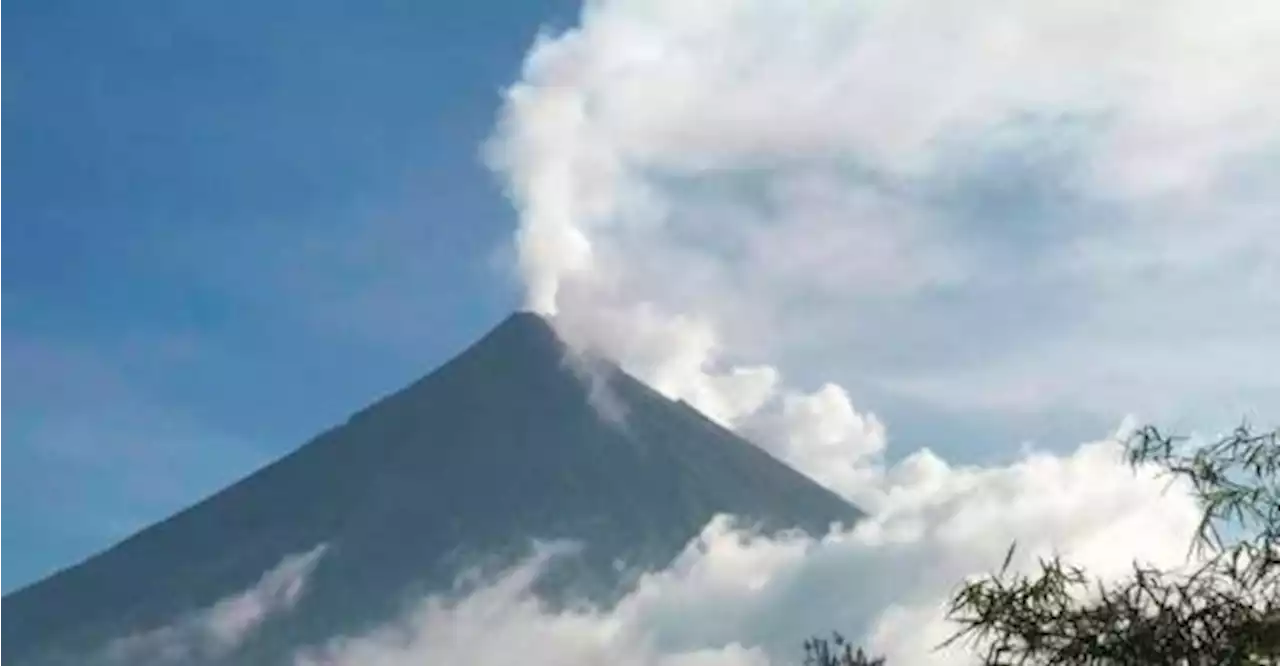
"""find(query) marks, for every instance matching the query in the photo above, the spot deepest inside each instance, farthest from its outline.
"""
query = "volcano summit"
(464, 468)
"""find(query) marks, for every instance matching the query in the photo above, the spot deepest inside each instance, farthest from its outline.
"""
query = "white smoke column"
(643, 91)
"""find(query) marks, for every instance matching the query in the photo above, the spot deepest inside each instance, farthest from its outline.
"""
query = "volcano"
(507, 443)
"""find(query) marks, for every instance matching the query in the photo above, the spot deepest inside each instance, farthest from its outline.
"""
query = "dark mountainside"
(497, 447)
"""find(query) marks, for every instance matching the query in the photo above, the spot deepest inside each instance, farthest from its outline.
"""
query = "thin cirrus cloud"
(130, 447)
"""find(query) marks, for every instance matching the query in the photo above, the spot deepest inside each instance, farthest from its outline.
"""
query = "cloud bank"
(741, 599)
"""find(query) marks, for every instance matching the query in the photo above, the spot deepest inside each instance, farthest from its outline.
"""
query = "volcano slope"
(464, 468)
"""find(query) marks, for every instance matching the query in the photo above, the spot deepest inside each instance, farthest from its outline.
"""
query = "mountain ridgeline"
(465, 467)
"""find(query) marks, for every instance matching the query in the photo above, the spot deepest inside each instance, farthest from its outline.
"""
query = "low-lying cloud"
(218, 630)
(742, 599)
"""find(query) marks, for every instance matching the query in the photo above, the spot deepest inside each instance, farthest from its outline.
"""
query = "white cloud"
(932, 200)
(822, 435)
(218, 630)
(503, 621)
(991, 207)
(738, 598)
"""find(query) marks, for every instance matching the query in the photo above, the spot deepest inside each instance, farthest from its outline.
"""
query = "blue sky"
(926, 252)
(230, 225)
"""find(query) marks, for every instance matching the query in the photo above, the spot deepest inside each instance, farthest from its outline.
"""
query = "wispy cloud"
(90, 420)
(214, 632)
